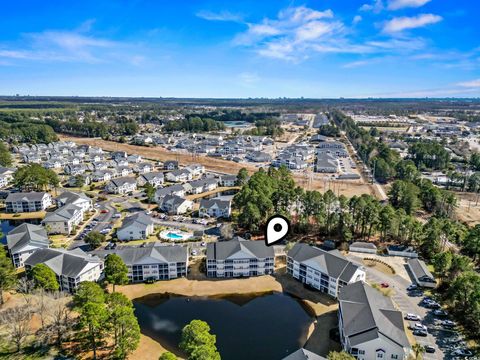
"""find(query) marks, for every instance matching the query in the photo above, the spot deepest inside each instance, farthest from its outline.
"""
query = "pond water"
(236, 124)
(267, 327)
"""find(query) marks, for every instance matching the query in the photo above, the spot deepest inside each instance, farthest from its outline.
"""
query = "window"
(394, 356)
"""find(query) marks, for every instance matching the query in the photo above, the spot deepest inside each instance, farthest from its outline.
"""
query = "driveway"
(408, 304)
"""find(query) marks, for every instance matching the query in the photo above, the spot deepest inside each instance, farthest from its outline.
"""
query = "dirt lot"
(468, 211)
(347, 188)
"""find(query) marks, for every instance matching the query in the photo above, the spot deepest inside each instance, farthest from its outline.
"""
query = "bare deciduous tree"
(17, 322)
(60, 317)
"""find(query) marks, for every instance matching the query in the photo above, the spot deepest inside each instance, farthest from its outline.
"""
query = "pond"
(267, 327)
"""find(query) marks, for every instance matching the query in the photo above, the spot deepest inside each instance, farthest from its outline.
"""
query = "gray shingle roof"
(153, 175)
(419, 268)
(140, 220)
(123, 180)
(70, 196)
(62, 262)
(223, 250)
(363, 245)
(208, 203)
(368, 314)
(333, 262)
(155, 254)
(27, 234)
(25, 196)
(303, 354)
(64, 213)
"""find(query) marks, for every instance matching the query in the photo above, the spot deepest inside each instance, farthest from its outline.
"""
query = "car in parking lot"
(413, 317)
(418, 326)
(433, 305)
(384, 285)
(462, 352)
(194, 253)
(448, 323)
(412, 287)
(420, 333)
(440, 313)
(429, 349)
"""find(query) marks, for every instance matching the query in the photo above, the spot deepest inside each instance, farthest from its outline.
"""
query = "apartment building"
(239, 258)
(24, 240)
(27, 202)
(326, 271)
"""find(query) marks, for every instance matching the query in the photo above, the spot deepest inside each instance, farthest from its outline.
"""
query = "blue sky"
(318, 48)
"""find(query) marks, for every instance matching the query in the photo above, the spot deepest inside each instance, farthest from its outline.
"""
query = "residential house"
(304, 354)
(239, 258)
(136, 227)
(258, 156)
(103, 175)
(216, 208)
(423, 277)
(6, 175)
(71, 267)
(72, 180)
(71, 169)
(120, 162)
(370, 326)
(27, 202)
(402, 250)
(143, 168)
(124, 171)
(202, 185)
(64, 220)
(173, 204)
(122, 185)
(134, 159)
(24, 240)
(153, 178)
(327, 271)
(177, 189)
(179, 175)
(154, 262)
(228, 180)
(195, 169)
(79, 199)
(170, 165)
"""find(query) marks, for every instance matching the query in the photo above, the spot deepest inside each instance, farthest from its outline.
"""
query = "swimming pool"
(175, 235)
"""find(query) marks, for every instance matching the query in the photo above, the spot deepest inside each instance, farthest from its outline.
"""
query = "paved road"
(409, 304)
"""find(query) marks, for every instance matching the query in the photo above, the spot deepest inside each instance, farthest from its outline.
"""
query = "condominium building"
(326, 271)
(238, 258)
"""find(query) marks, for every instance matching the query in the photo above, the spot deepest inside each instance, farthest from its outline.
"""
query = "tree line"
(194, 124)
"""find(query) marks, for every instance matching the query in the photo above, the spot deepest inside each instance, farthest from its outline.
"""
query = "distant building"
(24, 240)
(123, 185)
(239, 258)
(155, 179)
(154, 262)
(170, 165)
(370, 325)
(327, 271)
(402, 250)
(27, 202)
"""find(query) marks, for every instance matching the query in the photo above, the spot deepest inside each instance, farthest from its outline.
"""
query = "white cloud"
(401, 4)
(470, 84)
(399, 24)
(357, 19)
(375, 6)
(219, 16)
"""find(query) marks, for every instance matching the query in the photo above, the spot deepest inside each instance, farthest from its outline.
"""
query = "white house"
(195, 169)
(27, 202)
(79, 199)
(154, 262)
(24, 240)
(122, 185)
(216, 208)
(327, 271)
(64, 220)
(176, 189)
(136, 227)
(239, 258)
(370, 326)
(71, 267)
(228, 180)
(174, 204)
(179, 175)
(154, 178)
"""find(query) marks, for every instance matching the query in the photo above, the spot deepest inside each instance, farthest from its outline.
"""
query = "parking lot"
(444, 340)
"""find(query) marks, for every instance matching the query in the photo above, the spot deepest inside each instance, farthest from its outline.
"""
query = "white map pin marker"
(276, 230)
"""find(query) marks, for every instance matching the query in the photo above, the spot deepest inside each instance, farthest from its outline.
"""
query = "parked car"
(429, 349)
(418, 326)
(433, 305)
(420, 333)
(117, 215)
(384, 285)
(412, 287)
(440, 313)
(462, 352)
(194, 252)
(448, 323)
(150, 280)
(413, 317)
(104, 211)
